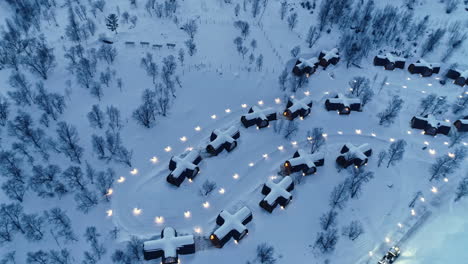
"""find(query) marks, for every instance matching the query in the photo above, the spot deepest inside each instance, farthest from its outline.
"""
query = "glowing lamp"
(154, 160)
(134, 171)
(213, 116)
(197, 230)
(277, 101)
(235, 176)
(183, 139)
(280, 147)
(121, 179)
(434, 189)
(206, 204)
(260, 102)
(251, 164)
(109, 213)
(136, 211)
(227, 110)
(244, 105)
(432, 151)
(109, 192)
(187, 214)
(358, 131)
(221, 191)
(159, 220)
(168, 149)
(197, 128)
(451, 155)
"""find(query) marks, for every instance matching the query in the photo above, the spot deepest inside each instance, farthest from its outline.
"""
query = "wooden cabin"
(425, 69)
(344, 105)
(295, 108)
(389, 61)
(223, 139)
(231, 226)
(184, 166)
(459, 77)
(169, 246)
(327, 57)
(430, 125)
(259, 117)
(461, 124)
(303, 162)
(352, 155)
(277, 193)
(305, 66)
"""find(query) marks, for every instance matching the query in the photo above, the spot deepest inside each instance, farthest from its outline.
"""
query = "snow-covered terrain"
(212, 90)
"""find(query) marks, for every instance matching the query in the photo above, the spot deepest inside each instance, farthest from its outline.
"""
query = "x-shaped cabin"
(295, 108)
(223, 139)
(344, 105)
(259, 117)
(352, 155)
(327, 57)
(169, 246)
(277, 193)
(231, 226)
(184, 166)
(430, 125)
(389, 61)
(303, 161)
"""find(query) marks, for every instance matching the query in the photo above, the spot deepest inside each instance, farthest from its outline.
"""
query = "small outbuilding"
(430, 125)
(352, 155)
(327, 57)
(223, 139)
(184, 166)
(389, 61)
(295, 108)
(462, 124)
(303, 162)
(231, 226)
(425, 69)
(277, 193)
(344, 105)
(169, 246)
(459, 77)
(259, 117)
(305, 66)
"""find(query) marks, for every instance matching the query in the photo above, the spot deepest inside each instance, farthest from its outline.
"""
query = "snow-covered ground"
(217, 88)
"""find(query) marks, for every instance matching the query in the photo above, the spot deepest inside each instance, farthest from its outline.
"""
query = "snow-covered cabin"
(223, 139)
(327, 57)
(354, 155)
(295, 108)
(259, 117)
(462, 124)
(169, 246)
(344, 105)
(277, 193)
(424, 68)
(184, 166)
(231, 226)
(389, 61)
(303, 161)
(305, 66)
(460, 77)
(430, 125)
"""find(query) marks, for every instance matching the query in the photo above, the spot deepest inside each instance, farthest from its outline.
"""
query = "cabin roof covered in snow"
(306, 158)
(185, 161)
(431, 120)
(330, 54)
(307, 62)
(169, 243)
(346, 101)
(423, 63)
(278, 190)
(232, 222)
(259, 113)
(300, 104)
(357, 152)
(391, 57)
(223, 136)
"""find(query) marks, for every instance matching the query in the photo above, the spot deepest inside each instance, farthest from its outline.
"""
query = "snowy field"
(213, 89)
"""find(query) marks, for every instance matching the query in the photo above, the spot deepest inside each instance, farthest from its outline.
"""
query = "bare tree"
(432, 41)
(266, 254)
(61, 224)
(316, 139)
(326, 241)
(433, 104)
(381, 157)
(33, 225)
(45, 181)
(360, 87)
(96, 117)
(462, 189)
(145, 114)
(190, 28)
(388, 115)
(292, 21)
(4, 110)
(358, 176)
(85, 200)
(447, 164)
(23, 94)
(207, 187)
(244, 27)
(68, 141)
(52, 104)
(456, 137)
(339, 196)
(150, 66)
(353, 230)
(39, 57)
(460, 105)
(328, 219)
(312, 36)
(396, 152)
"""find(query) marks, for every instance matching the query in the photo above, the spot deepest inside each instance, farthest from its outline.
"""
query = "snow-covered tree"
(4, 110)
(360, 87)
(85, 200)
(112, 22)
(146, 113)
(432, 41)
(292, 21)
(22, 94)
(190, 28)
(53, 104)
(113, 116)
(433, 104)
(312, 36)
(96, 117)
(107, 53)
(60, 225)
(150, 66)
(39, 58)
(381, 157)
(22, 127)
(243, 26)
(295, 51)
(283, 9)
(207, 187)
(33, 225)
(45, 181)
(266, 254)
(258, 63)
(316, 139)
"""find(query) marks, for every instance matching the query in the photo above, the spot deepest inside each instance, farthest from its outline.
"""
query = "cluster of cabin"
(343, 105)
(308, 67)
(392, 62)
(459, 77)
(297, 108)
(461, 124)
(430, 125)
